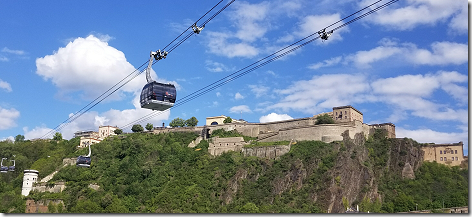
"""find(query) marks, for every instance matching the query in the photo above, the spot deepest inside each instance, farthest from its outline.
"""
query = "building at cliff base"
(448, 154)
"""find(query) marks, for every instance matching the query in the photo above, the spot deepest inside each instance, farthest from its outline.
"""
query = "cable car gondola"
(12, 168)
(3, 169)
(84, 161)
(155, 95)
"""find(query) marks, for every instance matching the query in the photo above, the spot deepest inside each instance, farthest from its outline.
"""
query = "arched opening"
(214, 123)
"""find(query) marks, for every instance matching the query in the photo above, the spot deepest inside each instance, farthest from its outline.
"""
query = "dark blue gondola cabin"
(83, 161)
(158, 96)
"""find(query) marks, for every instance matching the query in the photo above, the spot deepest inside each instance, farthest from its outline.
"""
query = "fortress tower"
(30, 177)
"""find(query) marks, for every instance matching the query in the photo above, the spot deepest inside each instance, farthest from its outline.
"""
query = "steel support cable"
(277, 51)
(77, 115)
(197, 94)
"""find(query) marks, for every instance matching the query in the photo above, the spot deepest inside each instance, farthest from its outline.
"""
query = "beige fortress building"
(448, 154)
(93, 137)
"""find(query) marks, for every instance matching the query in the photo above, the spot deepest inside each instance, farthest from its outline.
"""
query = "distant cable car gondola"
(12, 168)
(84, 161)
(157, 96)
(3, 169)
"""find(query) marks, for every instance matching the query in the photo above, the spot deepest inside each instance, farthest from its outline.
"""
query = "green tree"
(228, 120)
(57, 136)
(19, 138)
(149, 126)
(51, 207)
(137, 128)
(177, 122)
(191, 122)
(118, 131)
(324, 119)
(249, 208)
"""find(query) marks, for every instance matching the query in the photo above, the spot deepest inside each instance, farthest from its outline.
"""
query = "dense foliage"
(148, 173)
(177, 122)
(324, 119)
(137, 128)
(231, 133)
(227, 120)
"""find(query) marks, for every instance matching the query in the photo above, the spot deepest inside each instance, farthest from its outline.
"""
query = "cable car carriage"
(3, 169)
(155, 95)
(84, 161)
(12, 168)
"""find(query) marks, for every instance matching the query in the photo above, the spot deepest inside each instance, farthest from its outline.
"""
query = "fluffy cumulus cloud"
(421, 12)
(240, 109)
(441, 53)
(5, 86)
(88, 66)
(251, 22)
(8, 118)
(274, 117)
(412, 92)
(238, 96)
(321, 92)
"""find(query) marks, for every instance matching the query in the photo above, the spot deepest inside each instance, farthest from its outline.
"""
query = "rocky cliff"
(358, 167)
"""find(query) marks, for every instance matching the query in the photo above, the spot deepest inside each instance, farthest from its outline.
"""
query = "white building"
(30, 177)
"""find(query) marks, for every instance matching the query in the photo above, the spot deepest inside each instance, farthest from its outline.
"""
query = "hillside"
(148, 173)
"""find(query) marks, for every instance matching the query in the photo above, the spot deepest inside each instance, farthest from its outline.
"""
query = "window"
(345, 112)
(445, 158)
(456, 158)
(441, 158)
(440, 152)
(455, 151)
(452, 158)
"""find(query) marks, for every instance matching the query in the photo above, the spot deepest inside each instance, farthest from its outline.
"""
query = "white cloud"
(419, 12)
(8, 118)
(428, 135)
(250, 24)
(259, 90)
(218, 44)
(250, 20)
(4, 59)
(218, 94)
(5, 85)
(37, 132)
(89, 66)
(326, 63)
(274, 117)
(213, 66)
(314, 23)
(17, 52)
(325, 91)
(8, 138)
(238, 96)
(459, 22)
(240, 109)
(441, 53)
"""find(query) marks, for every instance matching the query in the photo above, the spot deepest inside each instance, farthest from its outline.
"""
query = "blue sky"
(406, 64)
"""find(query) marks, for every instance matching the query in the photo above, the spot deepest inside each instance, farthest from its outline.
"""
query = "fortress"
(346, 118)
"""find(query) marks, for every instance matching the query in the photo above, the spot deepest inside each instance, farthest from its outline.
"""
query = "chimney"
(163, 124)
